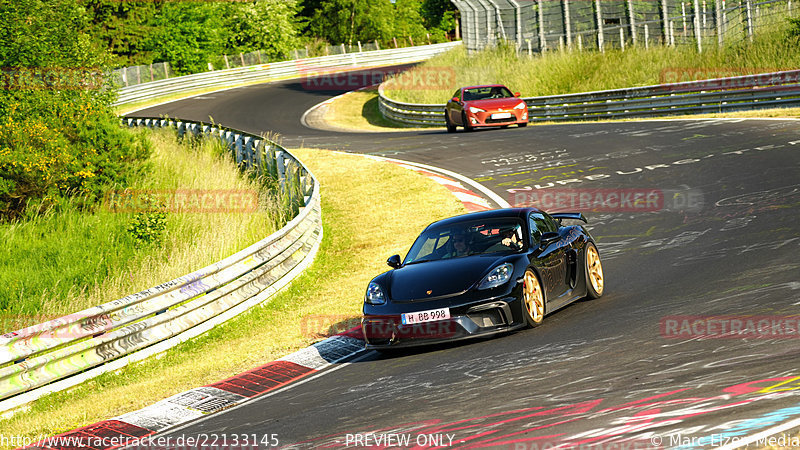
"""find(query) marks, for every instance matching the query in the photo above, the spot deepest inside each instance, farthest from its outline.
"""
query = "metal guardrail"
(70, 346)
(746, 92)
(278, 71)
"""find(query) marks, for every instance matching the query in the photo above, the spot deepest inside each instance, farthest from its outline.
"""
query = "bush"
(58, 134)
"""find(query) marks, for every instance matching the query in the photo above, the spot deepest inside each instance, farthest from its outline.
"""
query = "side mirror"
(516, 94)
(455, 99)
(394, 261)
(548, 238)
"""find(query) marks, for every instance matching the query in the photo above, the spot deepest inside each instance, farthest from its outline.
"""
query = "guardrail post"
(281, 166)
(237, 143)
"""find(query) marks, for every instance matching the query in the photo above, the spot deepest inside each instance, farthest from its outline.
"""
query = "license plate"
(501, 115)
(425, 316)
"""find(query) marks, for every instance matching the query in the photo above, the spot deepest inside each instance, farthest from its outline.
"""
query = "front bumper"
(382, 331)
(484, 119)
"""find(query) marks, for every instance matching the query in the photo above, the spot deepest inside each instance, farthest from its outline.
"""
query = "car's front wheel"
(465, 122)
(523, 124)
(595, 282)
(450, 127)
(532, 298)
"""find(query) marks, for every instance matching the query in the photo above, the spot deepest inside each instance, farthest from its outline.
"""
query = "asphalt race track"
(721, 239)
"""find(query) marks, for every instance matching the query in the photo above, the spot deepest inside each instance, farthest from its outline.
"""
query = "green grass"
(359, 110)
(564, 72)
(370, 210)
(64, 260)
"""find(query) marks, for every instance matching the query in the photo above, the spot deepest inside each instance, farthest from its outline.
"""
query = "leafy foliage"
(58, 135)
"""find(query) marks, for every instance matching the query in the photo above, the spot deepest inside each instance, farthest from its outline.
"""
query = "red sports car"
(485, 106)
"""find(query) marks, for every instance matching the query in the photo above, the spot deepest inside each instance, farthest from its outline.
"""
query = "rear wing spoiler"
(574, 216)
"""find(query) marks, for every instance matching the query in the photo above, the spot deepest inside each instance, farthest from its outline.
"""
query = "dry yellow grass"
(371, 210)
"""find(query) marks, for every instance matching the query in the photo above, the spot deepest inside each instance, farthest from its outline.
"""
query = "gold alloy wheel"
(595, 269)
(532, 294)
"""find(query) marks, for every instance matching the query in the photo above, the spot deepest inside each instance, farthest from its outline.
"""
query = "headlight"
(475, 110)
(374, 294)
(521, 106)
(497, 277)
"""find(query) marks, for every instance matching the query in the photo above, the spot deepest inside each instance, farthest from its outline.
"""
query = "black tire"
(533, 308)
(465, 123)
(593, 271)
(504, 126)
(450, 127)
(523, 124)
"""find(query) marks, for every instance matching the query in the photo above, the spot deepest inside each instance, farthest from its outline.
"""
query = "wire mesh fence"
(541, 25)
(131, 76)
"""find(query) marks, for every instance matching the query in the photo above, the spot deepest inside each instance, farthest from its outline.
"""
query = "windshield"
(467, 238)
(481, 93)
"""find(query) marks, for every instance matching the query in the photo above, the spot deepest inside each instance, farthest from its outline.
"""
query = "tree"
(347, 21)
(266, 25)
(408, 21)
(187, 34)
(59, 137)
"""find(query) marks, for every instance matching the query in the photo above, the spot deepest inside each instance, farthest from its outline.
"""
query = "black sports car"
(479, 274)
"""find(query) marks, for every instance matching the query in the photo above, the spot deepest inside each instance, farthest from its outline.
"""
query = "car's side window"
(539, 223)
(457, 94)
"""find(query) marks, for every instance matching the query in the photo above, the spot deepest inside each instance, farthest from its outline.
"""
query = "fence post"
(683, 14)
(377, 46)
(125, 76)
(672, 33)
(166, 69)
(704, 14)
(580, 43)
(632, 22)
(344, 50)
(530, 50)
(567, 24)
(227, 64)
(542, 39)
(622, 38)
(718, 19)
(359, 46)
(646, 37)
(138, 74)
(600, 37)
(395, 42)
(749, 7)
(697, 33)
(152, 77)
